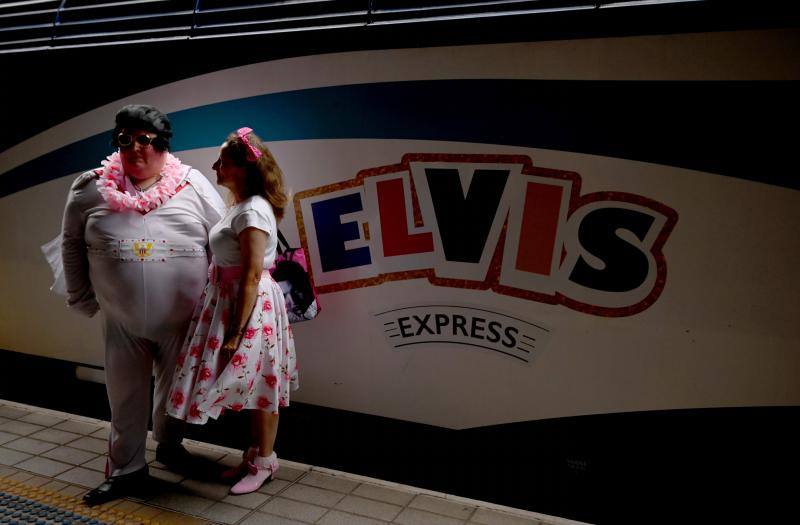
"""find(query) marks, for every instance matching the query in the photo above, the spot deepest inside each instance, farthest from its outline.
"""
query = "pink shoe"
(259, 473)
(248, 456)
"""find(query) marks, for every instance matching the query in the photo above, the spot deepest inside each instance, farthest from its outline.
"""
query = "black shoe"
(181, 461)
(133, 484)
(175, 457)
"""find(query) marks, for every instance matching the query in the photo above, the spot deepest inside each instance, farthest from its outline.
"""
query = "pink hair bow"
(252, 153)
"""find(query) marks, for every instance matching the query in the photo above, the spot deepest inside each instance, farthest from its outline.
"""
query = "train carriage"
(554, 242)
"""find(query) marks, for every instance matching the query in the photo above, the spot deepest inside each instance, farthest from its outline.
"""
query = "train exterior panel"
(500, 233)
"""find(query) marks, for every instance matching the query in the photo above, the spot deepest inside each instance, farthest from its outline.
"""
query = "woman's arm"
(253, 246)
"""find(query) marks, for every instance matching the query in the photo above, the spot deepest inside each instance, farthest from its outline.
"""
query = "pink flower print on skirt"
(177, 398)
(259, 375)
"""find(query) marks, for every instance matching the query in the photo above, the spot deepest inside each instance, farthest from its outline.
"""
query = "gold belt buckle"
(142, 249)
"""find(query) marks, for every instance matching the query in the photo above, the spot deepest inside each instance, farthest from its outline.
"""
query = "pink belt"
(228, 274)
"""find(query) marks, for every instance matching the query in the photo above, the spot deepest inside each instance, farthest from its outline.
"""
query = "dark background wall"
(43, 88)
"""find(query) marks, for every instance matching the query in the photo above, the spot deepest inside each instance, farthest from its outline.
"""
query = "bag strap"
(282, 241)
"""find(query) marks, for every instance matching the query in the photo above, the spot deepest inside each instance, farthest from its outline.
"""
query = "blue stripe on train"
(728, 128)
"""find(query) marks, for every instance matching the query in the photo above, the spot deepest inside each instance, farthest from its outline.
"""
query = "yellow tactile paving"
(128, 506)
(120, 512)
(148, 512)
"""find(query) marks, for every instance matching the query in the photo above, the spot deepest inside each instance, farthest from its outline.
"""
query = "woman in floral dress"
(239, 352)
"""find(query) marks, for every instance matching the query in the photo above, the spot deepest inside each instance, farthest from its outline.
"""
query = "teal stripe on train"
(725, 127)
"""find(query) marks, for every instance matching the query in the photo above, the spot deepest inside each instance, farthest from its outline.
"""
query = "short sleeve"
(251, 218)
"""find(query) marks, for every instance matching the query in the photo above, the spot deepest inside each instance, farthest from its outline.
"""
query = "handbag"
(291, 273)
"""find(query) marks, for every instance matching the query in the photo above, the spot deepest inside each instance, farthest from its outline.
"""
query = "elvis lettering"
(488, 222)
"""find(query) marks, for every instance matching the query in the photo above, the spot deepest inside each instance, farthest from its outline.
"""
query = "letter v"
(465, 222)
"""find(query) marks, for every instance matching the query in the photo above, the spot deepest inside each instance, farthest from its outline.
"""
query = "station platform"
(50, 459)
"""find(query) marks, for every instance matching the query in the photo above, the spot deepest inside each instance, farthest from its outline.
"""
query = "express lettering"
(458, 325)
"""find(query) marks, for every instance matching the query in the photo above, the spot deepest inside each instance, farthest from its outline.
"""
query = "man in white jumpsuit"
(135, 234)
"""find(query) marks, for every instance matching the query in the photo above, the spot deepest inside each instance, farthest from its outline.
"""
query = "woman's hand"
(230, 345)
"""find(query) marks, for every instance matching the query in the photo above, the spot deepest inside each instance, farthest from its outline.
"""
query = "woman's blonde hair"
(264, 176)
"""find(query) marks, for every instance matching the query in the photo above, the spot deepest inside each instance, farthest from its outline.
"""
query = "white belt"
(146, 250)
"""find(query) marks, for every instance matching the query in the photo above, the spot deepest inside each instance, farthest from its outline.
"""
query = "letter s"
(626, 265)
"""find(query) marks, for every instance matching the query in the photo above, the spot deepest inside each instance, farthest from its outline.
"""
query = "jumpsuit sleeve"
(80, 293)
(213, 208)
(211, 204)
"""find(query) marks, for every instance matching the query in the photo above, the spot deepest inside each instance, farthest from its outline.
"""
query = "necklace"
(139, 188)
(111, 183)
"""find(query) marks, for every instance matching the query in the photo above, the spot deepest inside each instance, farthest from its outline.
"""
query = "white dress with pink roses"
(263, 370)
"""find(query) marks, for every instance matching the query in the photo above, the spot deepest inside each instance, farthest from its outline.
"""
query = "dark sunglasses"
(125, 140)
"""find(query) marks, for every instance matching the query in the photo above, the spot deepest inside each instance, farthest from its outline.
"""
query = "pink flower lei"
(112, 180)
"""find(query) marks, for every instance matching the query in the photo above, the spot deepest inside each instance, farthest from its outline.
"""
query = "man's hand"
(88, 307)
